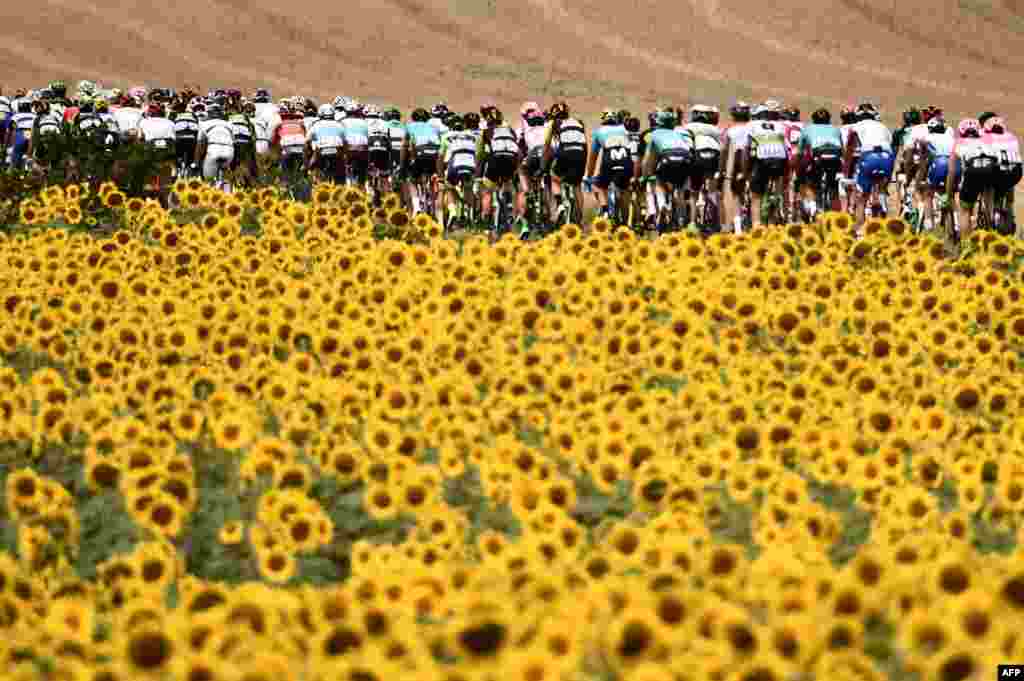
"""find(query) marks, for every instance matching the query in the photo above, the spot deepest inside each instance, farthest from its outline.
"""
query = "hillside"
(962, 54)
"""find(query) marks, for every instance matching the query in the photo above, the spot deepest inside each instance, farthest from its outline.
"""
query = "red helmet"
(995, 124)
(155, 110)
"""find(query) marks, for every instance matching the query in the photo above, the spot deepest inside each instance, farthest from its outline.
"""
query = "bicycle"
(538, 211)
(1003, 219)
(462, 214)
(772, 203)
(636, 219)
(424, 200)
(706, 210)
(825, 192)
(569, 211)
(504, 202)
(948, 222)
(377, 184)
(673, 215)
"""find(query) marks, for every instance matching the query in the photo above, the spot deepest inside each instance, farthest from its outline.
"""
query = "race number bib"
(617, 154)
(1009, 157)
(771, 150)
(293, 141)
(794, 136)
(504, 146)
(330, 142)
(356, 139)
(573, 137)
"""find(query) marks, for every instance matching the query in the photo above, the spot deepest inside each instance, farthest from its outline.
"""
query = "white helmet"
(772, 105)
(340, 102)
(527, 107)
(326, 111)
(371, 111)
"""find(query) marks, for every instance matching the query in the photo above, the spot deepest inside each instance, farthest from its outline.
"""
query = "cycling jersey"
(438, 125)
(186, 127)
(817, 136)
(673, 154)
(242, 128)
(458, 151)
(978, 163)
(158, 132)
(85, 122)
(531, 144)
(396, 132)
(219, 136)
(872, 136)
(261, 128)
(570, 150)
(356, 134)
(23, 125)
(498, 150)
(707, 143)
(265, 111)
(290, 137)
(378, 143)
(612, 142)
(768, 141)
(939, 147)
(326, 137)
(426, 143)
(793, 131)
(1007, 150)
(128, 119)
(6, 113)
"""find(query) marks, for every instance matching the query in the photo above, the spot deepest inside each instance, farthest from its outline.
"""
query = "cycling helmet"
(455, 122)
(821, 117)
(985, 116)
(355, 110)
(371, 111)
(911, 117)
(493, 116)
(936, 124)
(88, 106)
(759, 113)
(392, 114)
(930, 112)
(261, 95)
(215, 111)
(58, 88)
(867, 111)
(740, 111)
(326, 112)
(632, 124)
(527, 107)
(559, 111)
(995, 124)
(792, 114)
(969, 128)
(666, 118)
(486, 108)
(471, 120)
(702, 113)
(155, 110)
(86, 88)
(847, 115)
(772, 105)
(101, 105)
(610, 117)
(535, 117)
(420, 115)
(439, 110)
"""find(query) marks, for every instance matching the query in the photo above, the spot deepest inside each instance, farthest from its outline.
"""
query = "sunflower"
(398, 218)
(277, 565)
(114, 199)
(135, 205)
(192, 199)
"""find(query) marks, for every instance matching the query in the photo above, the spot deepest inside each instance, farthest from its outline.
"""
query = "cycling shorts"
(823, 161)
(570, 165)
(673, 172)
(763, 171)
(874, 165)
(424, 164)
(217, 155)
(1006, 178)
(619, 173)
(499, 170)
(938, 170)
(458, 174)
(380, 159)
(331, 167)
(358, 165)
(532, 165)
(975, 179)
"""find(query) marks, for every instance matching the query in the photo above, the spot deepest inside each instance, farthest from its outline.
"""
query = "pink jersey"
(1006, 146)
(793, 132)
(532, 135)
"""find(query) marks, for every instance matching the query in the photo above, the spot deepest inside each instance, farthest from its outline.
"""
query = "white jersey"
(916, 134)
(873, 135)
(217, 132)
(265, 110)
(5, 107)
(706, 137)
(940, 143)
(128, 118)
(738, 135)
(158, 131)
(438, 125)
(111, 121)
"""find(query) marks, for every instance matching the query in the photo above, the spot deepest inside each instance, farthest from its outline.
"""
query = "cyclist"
(378, 144)
(611, 144)
(498, 152)
(934, 151)
(215, 146)
(873, 140)
(437, 116)
(767, 158)
(908, 159)
(794, 127)
(396, 135)
(128, 116)
(265, 107)
(531, 136)
(707, 138)
(565, 152)
(667, 162)
(186, 135)
(732, 162)
(289, 137)
(309, 109)
(420, 155)
(456, 161)
(46, 146)
(245, 141)
(6, 114)
(1007, 149)
(157, 132)
(324, 145)
(975, 163)
(472, 123)
(355, 145)
(524, 111)
(819, 156)
(847, 119)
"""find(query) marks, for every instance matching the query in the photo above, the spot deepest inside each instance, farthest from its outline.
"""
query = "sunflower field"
(252, 439)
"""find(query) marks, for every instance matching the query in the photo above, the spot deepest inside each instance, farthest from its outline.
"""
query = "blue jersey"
(326, 135)
(357, 133)
(423, 134)
(664, 140)
(608, 137)
(817, 136)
